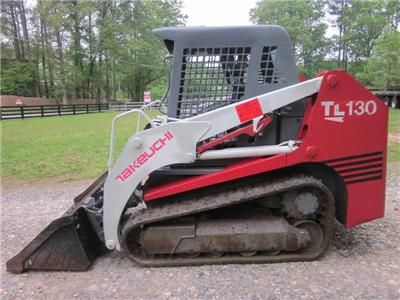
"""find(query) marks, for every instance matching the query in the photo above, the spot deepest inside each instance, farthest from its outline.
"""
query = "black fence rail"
(22, 112)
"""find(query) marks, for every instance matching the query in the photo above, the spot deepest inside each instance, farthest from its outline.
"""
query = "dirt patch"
(394, 137)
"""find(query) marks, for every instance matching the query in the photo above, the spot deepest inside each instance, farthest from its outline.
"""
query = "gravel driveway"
(362, 263)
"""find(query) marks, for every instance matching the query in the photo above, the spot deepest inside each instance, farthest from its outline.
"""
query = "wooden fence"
(22, 112)
(128, 106)
(125, 106)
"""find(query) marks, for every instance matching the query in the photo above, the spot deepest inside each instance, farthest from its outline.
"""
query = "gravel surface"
(362, 263)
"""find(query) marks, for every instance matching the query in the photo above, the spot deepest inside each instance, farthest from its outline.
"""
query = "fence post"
(87, 108)
(59, 109)
(41, 110)
(99, 106)
(22, 112)
(73, 109)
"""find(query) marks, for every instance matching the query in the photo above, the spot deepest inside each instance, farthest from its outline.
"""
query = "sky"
(223, 13)
(218, 12)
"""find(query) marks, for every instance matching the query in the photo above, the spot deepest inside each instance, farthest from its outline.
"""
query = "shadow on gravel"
(351, 242)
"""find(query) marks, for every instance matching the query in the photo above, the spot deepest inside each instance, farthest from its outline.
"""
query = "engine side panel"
(347, 130)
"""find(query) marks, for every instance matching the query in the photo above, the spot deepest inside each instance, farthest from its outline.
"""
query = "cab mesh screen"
(270, 71)
(211, 78)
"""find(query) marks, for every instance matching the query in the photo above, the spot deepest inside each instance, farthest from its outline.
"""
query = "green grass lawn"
(77, 147)
(394, 135)
(60, 148)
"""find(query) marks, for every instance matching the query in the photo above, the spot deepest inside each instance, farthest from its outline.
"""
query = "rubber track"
(238, 193)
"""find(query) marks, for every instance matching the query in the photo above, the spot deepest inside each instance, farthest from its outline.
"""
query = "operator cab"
(216, 66)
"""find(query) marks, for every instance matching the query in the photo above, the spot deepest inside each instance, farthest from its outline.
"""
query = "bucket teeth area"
(69, 243)
(66, 244)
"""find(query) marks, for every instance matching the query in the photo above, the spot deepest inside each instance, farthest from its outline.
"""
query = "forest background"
(105, 49)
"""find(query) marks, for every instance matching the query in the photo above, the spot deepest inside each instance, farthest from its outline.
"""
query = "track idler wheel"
(316, 234)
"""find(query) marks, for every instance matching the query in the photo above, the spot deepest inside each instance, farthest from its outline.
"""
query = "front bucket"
(69, 243)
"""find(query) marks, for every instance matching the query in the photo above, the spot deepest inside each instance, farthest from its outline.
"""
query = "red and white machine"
(249, 164)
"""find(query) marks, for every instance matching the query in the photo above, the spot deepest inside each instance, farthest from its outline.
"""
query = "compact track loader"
(250, 164)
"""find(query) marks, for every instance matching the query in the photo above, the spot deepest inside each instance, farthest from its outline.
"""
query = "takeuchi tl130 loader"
(250, 163)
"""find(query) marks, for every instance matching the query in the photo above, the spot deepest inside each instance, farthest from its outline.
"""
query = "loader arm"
(175, 142)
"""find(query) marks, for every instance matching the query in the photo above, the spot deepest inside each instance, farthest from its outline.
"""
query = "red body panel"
(345, 129)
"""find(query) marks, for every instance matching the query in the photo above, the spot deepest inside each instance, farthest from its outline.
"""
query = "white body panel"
(181, 148)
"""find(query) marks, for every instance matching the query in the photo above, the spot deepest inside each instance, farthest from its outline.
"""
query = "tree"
(392, 9)
(365, 22)
(382, 69)
(16, 77)
(138, 45)
(77, 68)
(14, 28)
(86, 48)
(303, 19)
(338, 9)
(22, 13)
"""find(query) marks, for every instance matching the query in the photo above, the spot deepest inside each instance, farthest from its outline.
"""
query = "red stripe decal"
(249, 110)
